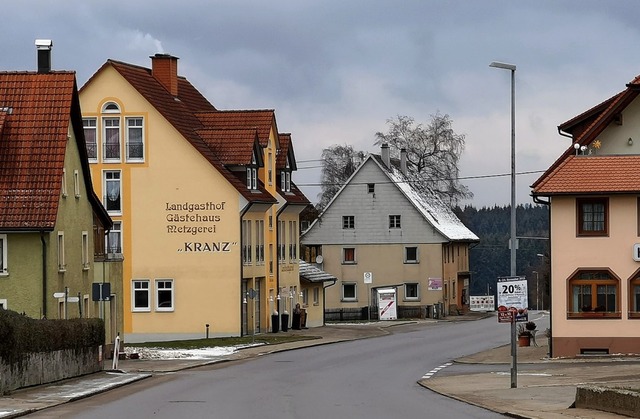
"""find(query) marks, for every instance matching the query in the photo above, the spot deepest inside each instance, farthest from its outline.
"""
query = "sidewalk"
(546, 394)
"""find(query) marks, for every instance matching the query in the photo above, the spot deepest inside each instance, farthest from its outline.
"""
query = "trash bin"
(295, 321)
(285, 321)
(275, 324)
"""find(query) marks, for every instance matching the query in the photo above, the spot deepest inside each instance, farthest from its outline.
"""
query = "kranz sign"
(512, 299)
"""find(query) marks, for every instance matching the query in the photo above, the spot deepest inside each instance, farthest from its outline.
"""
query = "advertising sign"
(512, 299)
(435, 284)
(387, 304)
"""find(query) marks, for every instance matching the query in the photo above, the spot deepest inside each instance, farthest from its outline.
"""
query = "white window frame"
(282, 246)
(260, 242)
(85, 250)
(160, 286)
(128, 142)
(141, 289)
(63, 187)
(247, 245)
(316, 296)
(4, 262)
(105, 189)
(91, 124)
(62, 266)
(76, 183)
(293, 248)
(355, 291)
(349, 262)
(417, 288)
(118, 246)
(3, 304)
(395, 221)
(109, 124)
(348, 222)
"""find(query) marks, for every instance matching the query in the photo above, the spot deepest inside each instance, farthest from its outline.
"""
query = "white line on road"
(435, 370)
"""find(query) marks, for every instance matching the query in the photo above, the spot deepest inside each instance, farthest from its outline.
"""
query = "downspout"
(537, 200)
(44, 275)
(324, 301)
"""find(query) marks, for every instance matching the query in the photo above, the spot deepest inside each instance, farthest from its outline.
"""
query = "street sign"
(73, 299)
(58, 295)
(512, 299)
(368, 277)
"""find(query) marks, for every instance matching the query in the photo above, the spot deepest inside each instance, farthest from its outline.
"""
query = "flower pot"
(524, 340)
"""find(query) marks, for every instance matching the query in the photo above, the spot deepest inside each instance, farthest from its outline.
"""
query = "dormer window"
(252, 173)
(285, 179)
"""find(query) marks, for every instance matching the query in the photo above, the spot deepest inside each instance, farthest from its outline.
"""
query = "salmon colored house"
(195, 198)
(593, 192)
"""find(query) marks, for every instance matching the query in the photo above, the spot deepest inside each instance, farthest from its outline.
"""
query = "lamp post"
(512, 238)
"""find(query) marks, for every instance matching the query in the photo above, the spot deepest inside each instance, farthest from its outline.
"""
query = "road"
(370, 378)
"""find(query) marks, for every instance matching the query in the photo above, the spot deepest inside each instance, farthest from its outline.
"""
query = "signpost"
(512, 308)
(368, 279)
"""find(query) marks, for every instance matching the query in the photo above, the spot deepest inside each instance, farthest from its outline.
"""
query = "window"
(3, 303)
(63, 187)
(135, 139)
(85, 250)
(252, 173)
(349, 292)
(348, 221)
(593, 294)
(394, 221)
(316, 296)
(269, 171)
(246, 242)
(260, 242)
(91, 138)
(140, 295)
(411, 291)
(411, 254)
(305, 296)
(114, 238)
(164, 295)
(285, 181)
(112, 186)
(3, 255)
(62, 266)
(371, 187)
(111, 135)
(293, 250)
(282, 246)
(349, 255)
(76, 183)
(270, 259)
(634, 294)
(593, 216)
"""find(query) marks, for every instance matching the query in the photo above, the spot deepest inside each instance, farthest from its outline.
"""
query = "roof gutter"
(44, 275)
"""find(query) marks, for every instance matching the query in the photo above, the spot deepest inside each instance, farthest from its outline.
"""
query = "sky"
(336, 71)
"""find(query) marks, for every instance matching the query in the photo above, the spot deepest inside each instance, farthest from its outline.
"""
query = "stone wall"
(614, 400)
(47, 367)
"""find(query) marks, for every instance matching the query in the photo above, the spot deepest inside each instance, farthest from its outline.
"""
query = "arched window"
(634, 296)
(110, 107)
(111, 132)
(594, 293)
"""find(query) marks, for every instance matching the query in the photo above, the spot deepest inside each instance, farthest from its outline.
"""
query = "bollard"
(207, 325)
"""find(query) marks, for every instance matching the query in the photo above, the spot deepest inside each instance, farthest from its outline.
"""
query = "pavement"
(548, 392)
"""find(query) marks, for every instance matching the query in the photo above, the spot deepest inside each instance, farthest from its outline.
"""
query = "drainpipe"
(44, 274)
(324, 301)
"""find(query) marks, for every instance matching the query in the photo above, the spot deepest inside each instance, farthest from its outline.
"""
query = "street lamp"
(512, 240)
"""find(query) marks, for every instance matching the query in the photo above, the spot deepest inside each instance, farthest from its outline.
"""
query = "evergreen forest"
(490, 258)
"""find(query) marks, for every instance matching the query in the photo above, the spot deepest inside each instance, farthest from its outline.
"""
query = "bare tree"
(338, 163)
(433, 153)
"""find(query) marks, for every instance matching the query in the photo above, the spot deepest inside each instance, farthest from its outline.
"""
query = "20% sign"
(512, 299)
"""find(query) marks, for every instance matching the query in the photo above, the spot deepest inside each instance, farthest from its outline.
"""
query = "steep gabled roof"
(36, 110)
(234, 146)
(285, 151)
(263, 120)
(591, 124)
(431, 207)
(182, 112)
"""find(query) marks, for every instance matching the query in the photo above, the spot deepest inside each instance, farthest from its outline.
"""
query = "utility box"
(387, 306)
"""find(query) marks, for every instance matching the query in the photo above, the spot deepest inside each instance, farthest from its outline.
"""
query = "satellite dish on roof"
(319, 259)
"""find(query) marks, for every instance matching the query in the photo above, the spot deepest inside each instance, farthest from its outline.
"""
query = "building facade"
(52, 224)
(379, 227)
(594, 200)
(193, 192)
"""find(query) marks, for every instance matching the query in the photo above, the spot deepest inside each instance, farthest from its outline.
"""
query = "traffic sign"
(368, 277)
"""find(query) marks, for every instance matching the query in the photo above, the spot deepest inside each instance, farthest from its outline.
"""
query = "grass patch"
(227, 341)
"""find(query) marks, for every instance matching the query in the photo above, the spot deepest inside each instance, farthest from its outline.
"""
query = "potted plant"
(525, 331)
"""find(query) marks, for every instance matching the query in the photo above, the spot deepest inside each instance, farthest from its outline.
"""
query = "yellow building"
(194, 195)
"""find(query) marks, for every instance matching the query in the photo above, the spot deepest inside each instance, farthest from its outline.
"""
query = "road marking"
(435, 370)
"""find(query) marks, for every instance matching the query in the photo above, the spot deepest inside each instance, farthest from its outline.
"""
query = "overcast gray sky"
(336, 70)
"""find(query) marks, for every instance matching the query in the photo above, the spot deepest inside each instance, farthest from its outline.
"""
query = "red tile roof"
(592, 175)
(232, 146)
(35, 112)
(263, 120)
(588, 125)
(183, 111)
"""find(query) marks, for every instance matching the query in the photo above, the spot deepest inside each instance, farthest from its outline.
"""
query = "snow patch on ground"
(201, 353)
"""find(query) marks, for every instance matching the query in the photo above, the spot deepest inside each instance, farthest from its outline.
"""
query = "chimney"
(43, 46)
(403, 161)
(386, 156)
(164, 68)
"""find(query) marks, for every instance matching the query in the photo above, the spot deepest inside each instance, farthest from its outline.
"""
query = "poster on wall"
(435, 284)
(512, 299)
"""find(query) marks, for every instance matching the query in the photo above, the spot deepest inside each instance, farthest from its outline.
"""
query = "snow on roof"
(436, 212)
